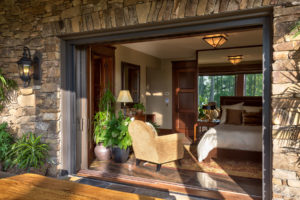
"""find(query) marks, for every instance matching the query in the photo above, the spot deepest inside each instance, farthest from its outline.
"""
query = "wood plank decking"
(37, 187)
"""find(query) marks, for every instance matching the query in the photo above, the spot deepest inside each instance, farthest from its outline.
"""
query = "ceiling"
(221, 56)
(183, 48)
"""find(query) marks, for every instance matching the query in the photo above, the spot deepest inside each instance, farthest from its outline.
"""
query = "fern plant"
(6, 142)
(6, 85)
(29, 152)
(105, 113)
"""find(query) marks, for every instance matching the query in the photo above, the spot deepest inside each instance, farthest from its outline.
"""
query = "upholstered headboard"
(248, 101)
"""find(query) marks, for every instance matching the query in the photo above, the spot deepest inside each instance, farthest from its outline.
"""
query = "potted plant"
(105, 113)
(116, 135)
(139, 107)
(30, 154)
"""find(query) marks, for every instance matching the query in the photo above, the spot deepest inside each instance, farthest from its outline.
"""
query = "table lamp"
(209, 111)
(124, 97)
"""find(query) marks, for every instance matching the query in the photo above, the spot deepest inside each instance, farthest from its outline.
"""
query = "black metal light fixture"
(28, 67)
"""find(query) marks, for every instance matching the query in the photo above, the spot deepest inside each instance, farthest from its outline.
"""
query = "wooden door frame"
(187, 26)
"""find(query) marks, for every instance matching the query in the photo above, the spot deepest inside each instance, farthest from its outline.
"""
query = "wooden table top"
(37, 187)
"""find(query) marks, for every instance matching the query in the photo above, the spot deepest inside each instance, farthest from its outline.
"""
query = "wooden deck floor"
(213, 186)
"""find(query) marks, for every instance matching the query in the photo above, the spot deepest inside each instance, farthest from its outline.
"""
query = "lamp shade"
(124, 96)
(215, 40)
(208, 107)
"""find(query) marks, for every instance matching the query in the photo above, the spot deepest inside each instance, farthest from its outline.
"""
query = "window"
(212, 87)
(253, 84)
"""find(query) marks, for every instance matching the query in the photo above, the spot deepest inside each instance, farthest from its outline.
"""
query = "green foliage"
(28, 152)
(6, 85)
(296, 28)
(106, 106)
(107, 102)
(6, 141)
(201, 112)
(212, 87)
(116, 132)
(139, 106)
(254, 84)
(100, 121)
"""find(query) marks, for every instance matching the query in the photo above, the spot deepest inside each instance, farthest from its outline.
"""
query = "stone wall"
(37, 23)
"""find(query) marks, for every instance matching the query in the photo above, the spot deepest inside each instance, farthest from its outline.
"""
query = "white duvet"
(247, 138)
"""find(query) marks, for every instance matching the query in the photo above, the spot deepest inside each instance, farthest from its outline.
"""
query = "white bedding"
(248, 138)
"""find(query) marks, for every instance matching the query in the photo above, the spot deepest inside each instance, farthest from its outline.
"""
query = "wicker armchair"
(148, 146)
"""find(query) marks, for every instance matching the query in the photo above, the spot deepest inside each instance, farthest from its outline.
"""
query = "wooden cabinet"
(145, 117)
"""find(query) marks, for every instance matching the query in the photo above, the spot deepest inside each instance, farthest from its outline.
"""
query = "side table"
(202, 124)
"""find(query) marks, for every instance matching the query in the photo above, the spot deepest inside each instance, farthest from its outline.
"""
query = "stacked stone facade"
(38, 23)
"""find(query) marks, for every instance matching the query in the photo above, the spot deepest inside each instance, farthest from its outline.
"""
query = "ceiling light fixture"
(215, 40)
(235, 59)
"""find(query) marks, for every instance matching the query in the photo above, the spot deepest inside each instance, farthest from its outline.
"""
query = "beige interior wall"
(159, 88)
(155, 82)
(124, 54)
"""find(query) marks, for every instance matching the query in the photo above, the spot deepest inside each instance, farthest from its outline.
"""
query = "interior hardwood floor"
(208, 185)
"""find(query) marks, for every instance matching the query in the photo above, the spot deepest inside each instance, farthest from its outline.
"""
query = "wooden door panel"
(185, 121)
(186, 79)
(185, 96)
(186, 101)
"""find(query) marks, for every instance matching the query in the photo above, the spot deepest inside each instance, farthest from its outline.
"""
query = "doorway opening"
(185, 120)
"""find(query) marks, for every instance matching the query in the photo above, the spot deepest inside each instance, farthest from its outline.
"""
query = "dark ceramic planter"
(102, 153)
(120, 155)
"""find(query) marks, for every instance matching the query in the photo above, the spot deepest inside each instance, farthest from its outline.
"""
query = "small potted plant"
(139, 107)
(117, 136)
(102, 117)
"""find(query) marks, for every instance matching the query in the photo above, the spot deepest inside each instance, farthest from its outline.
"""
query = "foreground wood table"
(33, 187)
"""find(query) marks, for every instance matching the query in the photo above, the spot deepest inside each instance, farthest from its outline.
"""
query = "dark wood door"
(185, 96)
(100, 77)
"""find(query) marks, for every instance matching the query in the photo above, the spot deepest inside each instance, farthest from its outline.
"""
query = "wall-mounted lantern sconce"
(28, 68)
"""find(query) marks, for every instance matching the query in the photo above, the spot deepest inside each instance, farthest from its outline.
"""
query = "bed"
(230, 140)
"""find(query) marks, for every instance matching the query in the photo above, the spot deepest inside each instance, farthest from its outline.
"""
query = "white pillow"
(238, 106)
(252, 108)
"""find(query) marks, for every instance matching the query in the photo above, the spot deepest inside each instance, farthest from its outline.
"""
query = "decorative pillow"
(252, 118)
(234, 116)
(238, 106)
(252, 108)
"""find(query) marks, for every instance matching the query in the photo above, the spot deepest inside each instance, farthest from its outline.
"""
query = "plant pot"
(139, 112)
(102, 153)
(120, 155)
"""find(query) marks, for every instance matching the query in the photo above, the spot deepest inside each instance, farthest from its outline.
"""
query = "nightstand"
(204, 123)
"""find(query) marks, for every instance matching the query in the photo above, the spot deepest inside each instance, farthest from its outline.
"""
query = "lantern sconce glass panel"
(28, 68)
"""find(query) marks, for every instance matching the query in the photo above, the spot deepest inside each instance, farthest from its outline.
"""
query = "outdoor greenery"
(116, 132)
(6, 142)
(28, 151)
(253, 84)
(212, 87)
(139, 106)
(6, 85)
